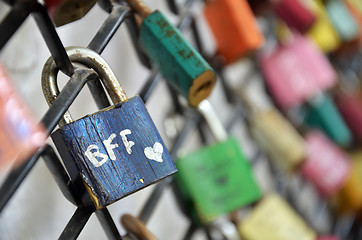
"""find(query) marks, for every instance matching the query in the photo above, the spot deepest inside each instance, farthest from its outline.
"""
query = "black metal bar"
(98, 44)
(118, 14)
(50, 120)
(105, 218)
(175, 100)
(173, 6)
(134, 34)
(52, 40)
(10, 24)
(60, 175)
(15, 178)
(150, 85)
(155, 196)
(190, 231)
(106, 5)
(76, 224)
(66, 97)
(196, 36)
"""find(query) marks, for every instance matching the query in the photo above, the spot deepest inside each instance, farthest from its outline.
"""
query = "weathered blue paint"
(129, 172)
(176, 58)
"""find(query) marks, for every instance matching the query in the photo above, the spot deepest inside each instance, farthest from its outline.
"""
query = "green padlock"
(218, 178)
(177, 60)
(322, 113)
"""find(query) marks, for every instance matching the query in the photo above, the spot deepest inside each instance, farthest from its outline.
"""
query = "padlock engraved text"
(93, 154)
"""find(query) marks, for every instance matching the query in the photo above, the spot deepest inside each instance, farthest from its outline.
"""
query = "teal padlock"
(322, 113)
(342, 20)
(177, 60)
(218, 178)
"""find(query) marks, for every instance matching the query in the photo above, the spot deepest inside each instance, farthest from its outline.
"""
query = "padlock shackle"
(140, 7)
(90, 59)
(216, 127)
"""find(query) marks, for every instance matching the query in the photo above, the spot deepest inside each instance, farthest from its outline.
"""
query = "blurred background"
(288, 88)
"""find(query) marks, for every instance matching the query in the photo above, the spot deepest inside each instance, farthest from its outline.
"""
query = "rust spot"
(162, 24)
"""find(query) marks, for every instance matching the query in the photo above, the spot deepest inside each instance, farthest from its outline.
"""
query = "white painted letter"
(92, 155)
(127, 144)
(109, 146)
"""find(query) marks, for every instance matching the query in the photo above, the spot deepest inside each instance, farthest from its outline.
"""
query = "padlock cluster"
(293, 121)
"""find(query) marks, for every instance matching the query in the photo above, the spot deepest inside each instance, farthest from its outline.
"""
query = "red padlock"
(295, 15)
(326, 166)
(328, 238)
(234, 28)
(350, 106)
(20, 134)
(297, 71)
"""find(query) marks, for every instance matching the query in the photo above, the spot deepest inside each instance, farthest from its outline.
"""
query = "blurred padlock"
(295, 15)
(322, 113)
(279, 138)
(274, 219)
(349, 199)
(356, 4)
(350, 106)
(328, 238)
(342, 20)
(296, 71)
(218, 178)
(177, 60)
(356, 10)
(20, 134)
(234, 28)
(114, 152)
(326, 166)
(322, 32)
(66, 11)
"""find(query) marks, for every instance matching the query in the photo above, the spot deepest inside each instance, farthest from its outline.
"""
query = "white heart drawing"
(155, 152)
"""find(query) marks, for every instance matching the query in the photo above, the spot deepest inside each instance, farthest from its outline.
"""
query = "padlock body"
(219, 179)
(328, 238)
(296, 71)
(295, 15)
(350, 107)
(279, 139)
(20, 133)
(322, 31)
(342, 20)
(115, 152)
(326, 166)
(66, 11)
(177, 60)
(349, 199)
(234, 28)
(274, 219)
(322, 113)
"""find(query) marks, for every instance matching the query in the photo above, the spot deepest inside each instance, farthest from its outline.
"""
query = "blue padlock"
(114, 152)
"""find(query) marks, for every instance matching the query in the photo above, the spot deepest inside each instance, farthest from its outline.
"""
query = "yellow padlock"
(349, 199)
(322, 32)
(278, 138)
(274, 219)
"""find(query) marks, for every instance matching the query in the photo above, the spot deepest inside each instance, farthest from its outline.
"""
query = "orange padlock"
(234, 27)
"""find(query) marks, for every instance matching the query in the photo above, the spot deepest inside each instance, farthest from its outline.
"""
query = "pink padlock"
(296, 71)
(326, 166)
(328, 238)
